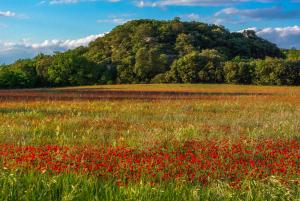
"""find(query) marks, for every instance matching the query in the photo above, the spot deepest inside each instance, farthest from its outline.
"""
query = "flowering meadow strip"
(192, 161)
(98, 94)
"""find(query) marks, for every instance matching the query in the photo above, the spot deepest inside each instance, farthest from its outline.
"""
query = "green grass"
(36, 187)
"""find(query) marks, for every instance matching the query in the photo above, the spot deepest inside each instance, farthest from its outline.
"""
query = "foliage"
(144, 51)
(20, 75)
(292, 54)
(239, 72)
(205, 66)
(277, 72)
(185, 69)
(71, 69)
(14, 79)
(148, 63)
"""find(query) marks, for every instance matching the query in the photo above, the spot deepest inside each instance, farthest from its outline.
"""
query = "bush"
(238, 72)
(276, 72)
(160, 78)
(14, 79)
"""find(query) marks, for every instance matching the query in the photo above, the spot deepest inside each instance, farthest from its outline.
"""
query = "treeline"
(209, 66)
(150, 51)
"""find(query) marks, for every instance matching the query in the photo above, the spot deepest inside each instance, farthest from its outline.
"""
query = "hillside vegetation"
(150, 51)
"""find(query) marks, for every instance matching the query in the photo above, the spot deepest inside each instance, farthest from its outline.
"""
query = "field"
(150, 142)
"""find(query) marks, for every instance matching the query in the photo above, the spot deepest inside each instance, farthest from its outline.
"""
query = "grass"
(35, 187)
(219, 112)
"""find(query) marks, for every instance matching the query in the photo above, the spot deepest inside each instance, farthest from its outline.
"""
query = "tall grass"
(135, 123)
(37, 187)
(143, 123)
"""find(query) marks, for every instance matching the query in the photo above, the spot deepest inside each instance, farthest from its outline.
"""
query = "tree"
(177, 25)
(143, 51)
(42, 63)
(160, 78)
(293, 54)
(148, 63)
(25, 70)
(14, 79)
(238, 72)
(276, 72)
(71, 69)
(185, 69)
(184, 44)
(212, 69)
(205, 66)
(125, 71)
(145, 33)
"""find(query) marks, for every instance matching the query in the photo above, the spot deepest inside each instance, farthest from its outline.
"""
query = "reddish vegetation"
(98, 94)
(195, 161)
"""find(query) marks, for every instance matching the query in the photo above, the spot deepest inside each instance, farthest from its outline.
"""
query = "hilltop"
(144, 51)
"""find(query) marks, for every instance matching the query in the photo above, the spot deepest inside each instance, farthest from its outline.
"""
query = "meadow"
(150, 142)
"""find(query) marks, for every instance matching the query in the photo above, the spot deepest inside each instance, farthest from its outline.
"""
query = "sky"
(29, 27)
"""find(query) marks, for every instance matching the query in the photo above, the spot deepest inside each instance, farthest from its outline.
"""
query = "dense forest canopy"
(151, 51)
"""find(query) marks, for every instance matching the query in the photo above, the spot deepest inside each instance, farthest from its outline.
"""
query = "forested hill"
(144, 51)
(176, 38)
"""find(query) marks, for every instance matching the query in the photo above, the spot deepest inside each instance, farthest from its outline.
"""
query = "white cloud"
(68, 1)
(162, 3)
(10, 51)
(284, 37)
(259, 13)
(233, 15)
(13, 15)
(117, 21)
(7, 14)
(191, 17)
(55, 2)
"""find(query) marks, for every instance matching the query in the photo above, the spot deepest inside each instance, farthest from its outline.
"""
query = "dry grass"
(139, 115)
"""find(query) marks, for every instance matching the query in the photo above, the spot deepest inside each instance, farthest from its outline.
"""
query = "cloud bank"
(7, 14)
(163, 3)
(55, 2)
(10, 51)
(284, 37)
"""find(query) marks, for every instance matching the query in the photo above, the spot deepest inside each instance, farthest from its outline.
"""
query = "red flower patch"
(194, 161)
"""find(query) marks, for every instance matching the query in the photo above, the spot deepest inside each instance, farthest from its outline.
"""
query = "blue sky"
(28, 27)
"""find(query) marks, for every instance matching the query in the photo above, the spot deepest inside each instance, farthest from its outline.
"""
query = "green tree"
(184, 44)
(212, 67)
(14, 79)
(125, 71)
(148, 63)
(25, 68)
(142, 51)
(71, 69)
(293, 54)
(238, 72)
(42, 63)
(185, 69)
(275, 72)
